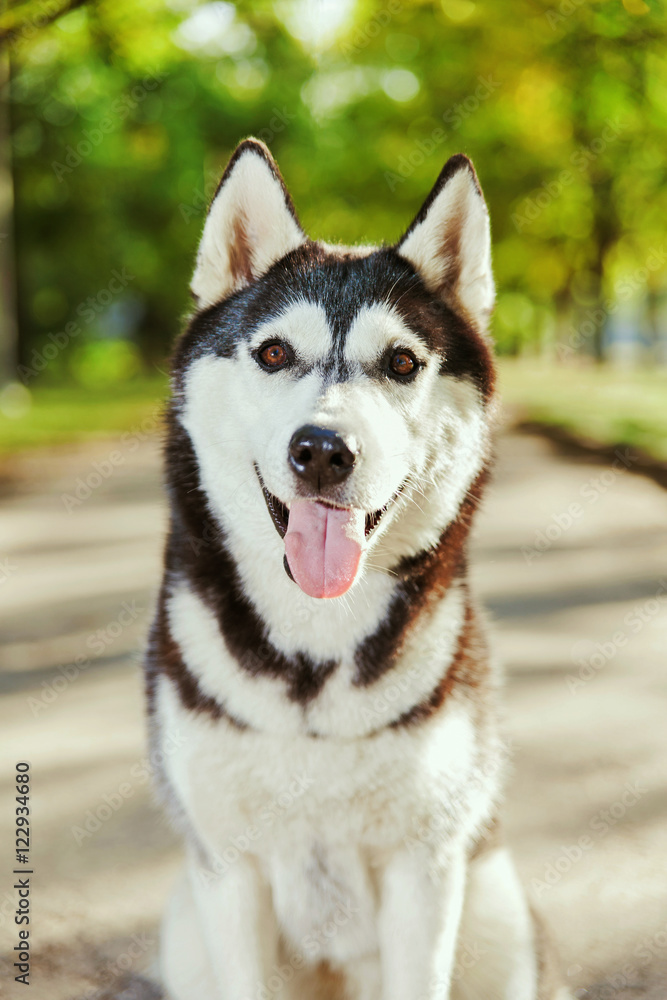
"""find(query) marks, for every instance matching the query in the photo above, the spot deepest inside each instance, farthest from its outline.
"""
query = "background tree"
(124, 112)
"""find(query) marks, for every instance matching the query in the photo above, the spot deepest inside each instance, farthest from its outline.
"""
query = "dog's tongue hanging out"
(323, 547)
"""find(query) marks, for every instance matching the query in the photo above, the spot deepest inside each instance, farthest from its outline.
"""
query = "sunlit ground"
(604, 404)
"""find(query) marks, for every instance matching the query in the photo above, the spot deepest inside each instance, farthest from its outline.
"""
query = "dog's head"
(336, 398)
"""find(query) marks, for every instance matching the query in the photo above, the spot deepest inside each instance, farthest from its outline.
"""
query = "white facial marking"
(420, 446)
(304, 326)
(377, 327)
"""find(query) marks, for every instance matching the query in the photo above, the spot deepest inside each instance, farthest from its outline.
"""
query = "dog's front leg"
(236, 919)
(419, 924)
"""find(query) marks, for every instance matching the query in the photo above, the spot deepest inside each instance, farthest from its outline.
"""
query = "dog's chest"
(270, 795)
(321, 817)
(325, 896)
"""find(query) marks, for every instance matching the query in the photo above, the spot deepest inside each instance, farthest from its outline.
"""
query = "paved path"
(579, 598)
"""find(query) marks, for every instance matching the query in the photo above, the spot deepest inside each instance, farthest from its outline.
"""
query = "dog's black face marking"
(255, 266)
(196, 549)
(276, 508)
(165, 657)
(466, 668)
(341, 285)
(428, 574)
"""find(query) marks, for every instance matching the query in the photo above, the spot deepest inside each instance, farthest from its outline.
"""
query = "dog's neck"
(268, 624)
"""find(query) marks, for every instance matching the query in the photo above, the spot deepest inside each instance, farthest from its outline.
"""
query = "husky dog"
(318, 678)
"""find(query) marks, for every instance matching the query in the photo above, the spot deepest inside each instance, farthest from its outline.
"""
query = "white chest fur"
(320, 816)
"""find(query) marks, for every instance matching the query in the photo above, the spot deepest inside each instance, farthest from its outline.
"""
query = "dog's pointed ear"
(449, 242)
(250, 225)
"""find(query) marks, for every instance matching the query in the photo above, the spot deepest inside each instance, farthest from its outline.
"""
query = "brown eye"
(273, 356)
(403, 363)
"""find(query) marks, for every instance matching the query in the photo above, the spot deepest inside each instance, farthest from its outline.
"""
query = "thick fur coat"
(338, 766)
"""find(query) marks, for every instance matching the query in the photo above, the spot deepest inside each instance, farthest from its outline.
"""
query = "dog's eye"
(403, 363)
(273, 356)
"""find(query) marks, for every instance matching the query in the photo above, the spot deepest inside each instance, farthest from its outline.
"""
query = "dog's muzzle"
(320, 457)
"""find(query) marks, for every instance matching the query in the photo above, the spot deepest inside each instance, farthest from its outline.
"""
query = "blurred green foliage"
(52, 415)
(123, 113)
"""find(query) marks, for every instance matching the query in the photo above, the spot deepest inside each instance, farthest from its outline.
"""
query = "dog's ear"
(250, 225)
(449, 242)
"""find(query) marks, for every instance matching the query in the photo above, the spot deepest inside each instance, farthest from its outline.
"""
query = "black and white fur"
(338, 767)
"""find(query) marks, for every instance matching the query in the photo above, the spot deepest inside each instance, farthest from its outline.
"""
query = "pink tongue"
(323, 547)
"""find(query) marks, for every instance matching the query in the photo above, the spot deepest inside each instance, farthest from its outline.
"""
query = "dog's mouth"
(280, 512)
(277, 509)
(323, 542)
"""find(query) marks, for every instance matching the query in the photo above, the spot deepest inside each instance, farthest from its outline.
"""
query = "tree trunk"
(8, 324)
(653, 320)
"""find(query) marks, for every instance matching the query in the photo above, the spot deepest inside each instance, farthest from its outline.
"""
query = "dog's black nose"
(320, 456)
